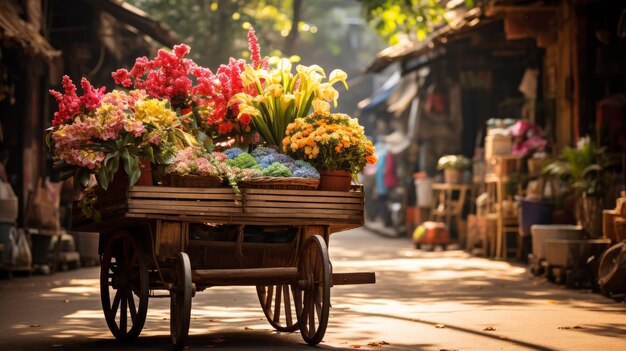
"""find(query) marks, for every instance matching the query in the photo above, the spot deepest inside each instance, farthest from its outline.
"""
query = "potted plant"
(585, 170)
(335, 144)
(453, 167)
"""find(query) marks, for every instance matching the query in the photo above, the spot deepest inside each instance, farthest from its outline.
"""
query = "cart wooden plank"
(312, 193)
(354, 278)
(177, 202)
(303, 198)
(301, 205)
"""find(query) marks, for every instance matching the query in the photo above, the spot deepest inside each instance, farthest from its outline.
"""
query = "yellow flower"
(327, 92)
(274, 90)
(338, 75)
(320, 106)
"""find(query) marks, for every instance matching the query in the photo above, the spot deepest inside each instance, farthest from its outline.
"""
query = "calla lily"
(338, 75)
(274, 90)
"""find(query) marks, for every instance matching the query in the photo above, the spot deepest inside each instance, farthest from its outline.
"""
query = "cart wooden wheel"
(279, 306)
(312, 293)
(180, 301)
(124, 278)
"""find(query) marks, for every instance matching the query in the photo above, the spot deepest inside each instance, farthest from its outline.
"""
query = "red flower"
(225, 128)
(245, 119)
(70, 104)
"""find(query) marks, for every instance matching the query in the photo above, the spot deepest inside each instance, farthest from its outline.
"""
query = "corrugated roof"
(16, 31)
(407, 48)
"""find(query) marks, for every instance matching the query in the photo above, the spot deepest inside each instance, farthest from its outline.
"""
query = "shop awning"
(404, 93)
(136, 18)
(459, 19)
(381, 95)
(14, 30)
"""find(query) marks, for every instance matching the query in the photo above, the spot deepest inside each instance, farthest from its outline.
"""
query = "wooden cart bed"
(340, 210)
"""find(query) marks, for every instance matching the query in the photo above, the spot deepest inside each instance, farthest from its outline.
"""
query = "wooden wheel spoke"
(311, 313)
(132, 308)
(116, 303)
(270, 295)
(288, 319)
(277, 305)
(124, 315)
(297, 296)
(318, 302)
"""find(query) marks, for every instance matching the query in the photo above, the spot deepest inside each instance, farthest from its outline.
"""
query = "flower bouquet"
(274, 96)
(276, 170)
(193, 167)
(99, 133)
(334, 143)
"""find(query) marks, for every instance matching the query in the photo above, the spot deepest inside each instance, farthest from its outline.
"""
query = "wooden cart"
(172, 242)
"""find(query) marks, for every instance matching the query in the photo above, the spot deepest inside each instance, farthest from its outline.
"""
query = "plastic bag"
(20, 254)
(43, 209)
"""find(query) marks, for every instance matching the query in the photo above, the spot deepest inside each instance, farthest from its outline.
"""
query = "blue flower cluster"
(262, 151)
(266, 157)
(232, 153)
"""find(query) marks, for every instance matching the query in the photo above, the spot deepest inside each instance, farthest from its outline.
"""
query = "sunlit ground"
(421, 301)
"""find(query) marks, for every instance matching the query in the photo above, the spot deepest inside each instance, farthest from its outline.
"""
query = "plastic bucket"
(424, 192)
(534, 212)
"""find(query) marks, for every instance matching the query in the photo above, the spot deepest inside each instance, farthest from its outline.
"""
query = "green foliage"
(216, 30)
(415, 18)
(244, 160)
(277, 170)
(584, 168)
(453, 162)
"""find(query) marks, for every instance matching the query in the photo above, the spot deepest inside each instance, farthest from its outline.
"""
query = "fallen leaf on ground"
(377, 343)
(66, 301)
(551, 301)
(574, 327)
(164, 318)
(355, 346)
(440, 326)
(247, 328)
(35, 325)
(489, 328)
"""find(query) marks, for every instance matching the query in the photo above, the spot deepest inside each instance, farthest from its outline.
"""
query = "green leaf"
(136, 171)
(128, 162)
(103, 178)
(149, 153)
(115, 164)
(82, 177)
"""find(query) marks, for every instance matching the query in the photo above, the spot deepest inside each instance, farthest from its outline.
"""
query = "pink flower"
(181, 50)
(91, 98)
(122, 77)
(70, 104)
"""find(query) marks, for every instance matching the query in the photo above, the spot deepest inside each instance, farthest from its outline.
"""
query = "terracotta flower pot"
(452, 176)
(334, 180)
